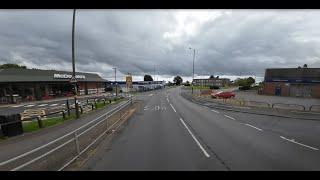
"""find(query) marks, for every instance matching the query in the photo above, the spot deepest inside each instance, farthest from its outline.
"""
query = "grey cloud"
(133, 41)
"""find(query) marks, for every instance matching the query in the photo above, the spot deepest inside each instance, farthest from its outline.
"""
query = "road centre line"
(42, 105)
(195, 139)
(229, 117)
(252, 126)
(293, 141)
(53, 104)
(172, 107)
(215, 111)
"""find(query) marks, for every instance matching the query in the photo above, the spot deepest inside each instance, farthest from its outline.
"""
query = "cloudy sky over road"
(227, 42)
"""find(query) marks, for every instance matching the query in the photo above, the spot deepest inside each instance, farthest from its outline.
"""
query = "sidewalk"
(55, 99)
(20, 144)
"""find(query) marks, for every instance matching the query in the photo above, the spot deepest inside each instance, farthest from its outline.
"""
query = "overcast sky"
(227, 42)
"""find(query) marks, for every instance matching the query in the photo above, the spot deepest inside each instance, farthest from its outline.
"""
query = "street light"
(194, 54)
(73, 79)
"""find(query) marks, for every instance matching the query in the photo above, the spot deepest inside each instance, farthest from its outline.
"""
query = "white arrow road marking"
(195, 139)
(293, 141)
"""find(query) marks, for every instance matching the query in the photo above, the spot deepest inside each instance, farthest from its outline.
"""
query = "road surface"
(172, 133)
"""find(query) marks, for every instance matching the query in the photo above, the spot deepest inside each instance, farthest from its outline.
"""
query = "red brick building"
(296, 82)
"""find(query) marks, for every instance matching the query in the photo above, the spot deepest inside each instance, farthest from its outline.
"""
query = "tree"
(147, 77)
(250, 81)
(305, 66)
(211, 77)
(12, 66)
(177, 80)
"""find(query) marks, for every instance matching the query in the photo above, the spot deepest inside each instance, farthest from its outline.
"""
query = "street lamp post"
(73, 80)
(115, 80)
(194, 54)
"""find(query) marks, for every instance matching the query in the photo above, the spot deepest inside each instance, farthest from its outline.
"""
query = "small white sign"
(67, 76)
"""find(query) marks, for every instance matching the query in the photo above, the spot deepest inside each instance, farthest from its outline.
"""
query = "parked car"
(221, 94)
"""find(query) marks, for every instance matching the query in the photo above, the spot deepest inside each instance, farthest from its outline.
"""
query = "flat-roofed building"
(19, 85)
(297, 82)
(221, 82)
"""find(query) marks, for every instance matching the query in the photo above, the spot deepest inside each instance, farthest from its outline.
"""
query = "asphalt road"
(172, 133)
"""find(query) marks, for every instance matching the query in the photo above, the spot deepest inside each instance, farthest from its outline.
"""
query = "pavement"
(170, 132)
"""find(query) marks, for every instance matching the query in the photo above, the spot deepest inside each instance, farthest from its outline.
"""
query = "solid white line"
(42, 105)
(293, 141)
(214, 111)
(195, 139)
(253, 127)
(229, 117)
(173, 107)
(17, 105)
(30, 105)
(53, 104)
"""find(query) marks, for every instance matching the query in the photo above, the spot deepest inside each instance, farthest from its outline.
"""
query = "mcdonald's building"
(22, 85)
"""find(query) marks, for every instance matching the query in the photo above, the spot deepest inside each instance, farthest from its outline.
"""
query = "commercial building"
(20, 85)
(212, 82)
(137, 85)
(297, 82)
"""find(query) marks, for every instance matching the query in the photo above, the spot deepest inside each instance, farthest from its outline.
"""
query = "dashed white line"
(253, 127)
(195, 139)
(230, 117)
(42, 105)
(53, 105)
(293, 141)
(172, 107)
(215, 111)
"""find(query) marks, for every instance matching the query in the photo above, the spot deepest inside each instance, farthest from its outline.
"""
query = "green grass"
(33, 125)
(198, 87)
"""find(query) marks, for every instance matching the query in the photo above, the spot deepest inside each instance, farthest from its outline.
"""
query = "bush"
(244, 87)
(214, 87)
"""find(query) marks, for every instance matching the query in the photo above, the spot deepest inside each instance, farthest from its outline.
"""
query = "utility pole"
(115, 80)
(194, 54)
(73, 79)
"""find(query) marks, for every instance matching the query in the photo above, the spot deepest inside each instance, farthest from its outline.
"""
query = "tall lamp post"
(194, 54)
(115, 80)
(73, 79)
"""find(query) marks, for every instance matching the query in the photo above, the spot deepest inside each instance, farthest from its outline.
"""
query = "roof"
(293, 74)
(36, 75)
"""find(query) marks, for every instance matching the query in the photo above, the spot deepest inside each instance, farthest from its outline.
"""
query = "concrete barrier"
(288, 106)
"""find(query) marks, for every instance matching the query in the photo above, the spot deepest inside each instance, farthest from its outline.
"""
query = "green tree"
(12, 66)
(211, 77)
(147, 77)
(177, 80)
(250, 81)
(305, 66)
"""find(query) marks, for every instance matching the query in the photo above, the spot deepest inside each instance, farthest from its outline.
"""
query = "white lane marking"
(63, 104)
(17, 106)
(253, 127)
(145, 108)
(30, 105)
(195, 139)
(53, 104)
(42, 105)
(150, 94)
(173, 107)
(293, 141)
(229, 117)
(215, 111)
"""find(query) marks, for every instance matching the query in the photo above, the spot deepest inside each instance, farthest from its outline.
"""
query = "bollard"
(76, 142)
(81, 110)
(68, 107)
(92, 106)
(63, 114)
(39, 122)
(104, 102)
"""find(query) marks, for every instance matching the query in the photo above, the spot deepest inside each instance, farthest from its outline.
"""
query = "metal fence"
(61, 152)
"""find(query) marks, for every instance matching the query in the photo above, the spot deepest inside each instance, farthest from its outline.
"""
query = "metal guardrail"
(35, 155)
